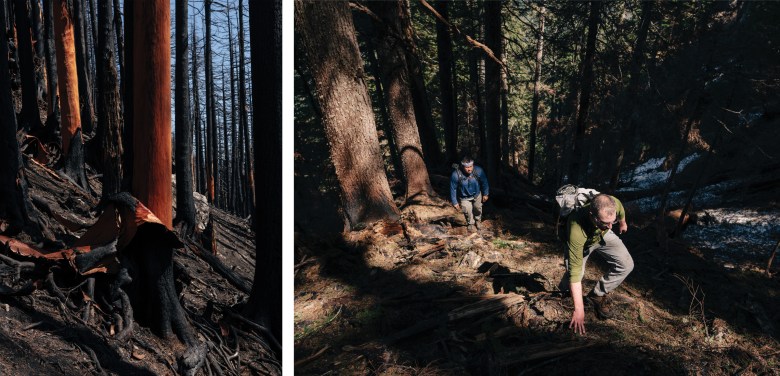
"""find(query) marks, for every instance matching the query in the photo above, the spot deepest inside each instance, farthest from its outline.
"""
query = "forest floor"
(41, 334)
(427, 298)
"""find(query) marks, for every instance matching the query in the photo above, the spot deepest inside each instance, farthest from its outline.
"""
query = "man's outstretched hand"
(578, 321)
(484, 198)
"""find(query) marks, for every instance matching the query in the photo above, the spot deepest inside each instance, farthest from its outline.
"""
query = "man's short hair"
(603, 204)
(466, 162)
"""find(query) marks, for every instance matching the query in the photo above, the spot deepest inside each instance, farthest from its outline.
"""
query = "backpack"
(461, 177)
(570, 198)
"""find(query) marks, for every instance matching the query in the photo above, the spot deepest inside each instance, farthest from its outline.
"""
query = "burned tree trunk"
(82, 67)
(15, 206)
(30, 117)
(51, 58)
(212, 166)
(151, 260)
(249, 181)
(109, 118)
(185, 206)
(328, 38)
(70, 118)
(265, 27)
(127, 97)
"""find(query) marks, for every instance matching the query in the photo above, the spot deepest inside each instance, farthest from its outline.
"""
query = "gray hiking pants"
(617, 257)
(472, 208)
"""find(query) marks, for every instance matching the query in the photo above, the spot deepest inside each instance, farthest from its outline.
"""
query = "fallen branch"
(309, 358)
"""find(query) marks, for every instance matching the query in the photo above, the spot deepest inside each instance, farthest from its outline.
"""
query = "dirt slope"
(43, 335)
(428, 298)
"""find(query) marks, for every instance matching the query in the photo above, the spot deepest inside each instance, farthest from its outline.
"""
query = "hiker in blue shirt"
(468, 190)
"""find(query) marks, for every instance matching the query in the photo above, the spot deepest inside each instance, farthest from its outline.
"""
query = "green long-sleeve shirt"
(582, 234)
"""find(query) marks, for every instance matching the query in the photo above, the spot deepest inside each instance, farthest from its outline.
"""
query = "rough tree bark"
(196, 111)
(265, 28)
(211, 133)
(185, 206)
(395, 79)
(127, 97)
(535, 101)
(575, 169)
(109, 117)
(70, 117)
(493, 39)
(328, 38)
(446, 63)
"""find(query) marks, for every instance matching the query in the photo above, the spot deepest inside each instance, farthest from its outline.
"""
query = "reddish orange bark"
(152, 108)
(70, 119)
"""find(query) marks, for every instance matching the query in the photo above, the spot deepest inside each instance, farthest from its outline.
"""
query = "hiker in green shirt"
(590, 230)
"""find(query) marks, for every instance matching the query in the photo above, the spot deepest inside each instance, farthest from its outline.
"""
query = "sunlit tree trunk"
(82, 67)
(70, 118)
(328, 39)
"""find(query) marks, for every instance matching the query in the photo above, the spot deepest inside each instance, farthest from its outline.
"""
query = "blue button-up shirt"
(463, 186)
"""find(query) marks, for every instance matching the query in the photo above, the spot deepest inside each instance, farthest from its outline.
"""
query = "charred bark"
(51, 57)
(109, 117)
(30, 117)
(185, 206)
(265, 301)
(82, 67)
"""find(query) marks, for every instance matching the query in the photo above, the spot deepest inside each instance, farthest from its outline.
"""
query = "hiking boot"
(471, 228)
(601, 305)
(478, 225)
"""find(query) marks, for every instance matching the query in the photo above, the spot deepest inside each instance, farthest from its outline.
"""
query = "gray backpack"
(570, 198)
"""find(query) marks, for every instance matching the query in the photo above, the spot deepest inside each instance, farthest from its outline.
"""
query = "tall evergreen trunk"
(328, 39)
(493, 40)
(265, 28)
(476, 92)
(225, 171)
(535, 100)
(70, 118)
(82, 68)
(243, 106)
(51, 57)
(575, 169)
(422, 106)
(628, 125)
(185, 206)
(395, 78)
(120, 44)
(448, 99)
(109, 117)
(30, 117)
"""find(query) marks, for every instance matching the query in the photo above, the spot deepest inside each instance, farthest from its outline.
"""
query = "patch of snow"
(649, 174)
(736, 234)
